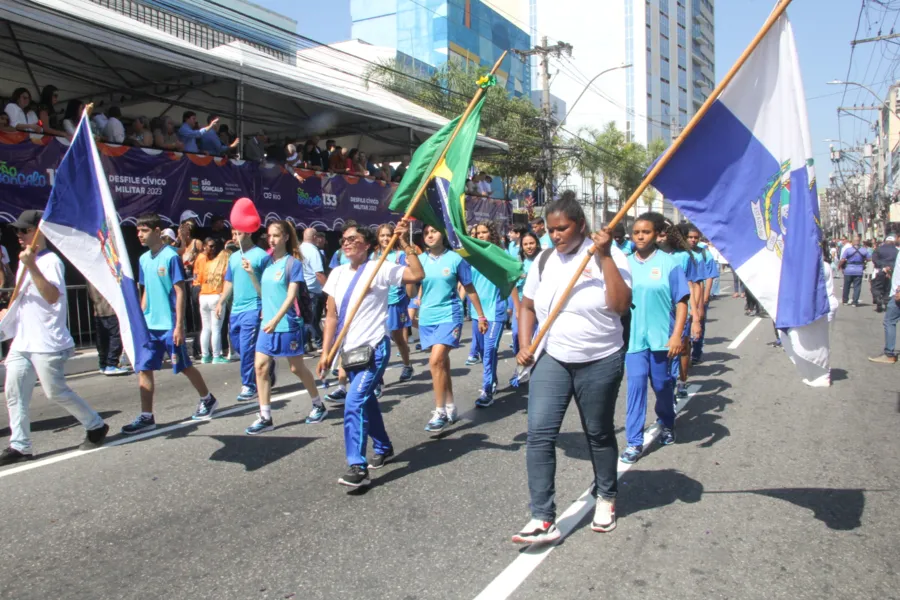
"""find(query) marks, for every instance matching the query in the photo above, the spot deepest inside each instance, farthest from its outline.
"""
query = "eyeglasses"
(350, 240)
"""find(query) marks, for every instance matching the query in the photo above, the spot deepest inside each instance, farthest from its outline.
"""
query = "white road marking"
(518, 571)
(28, 466)
(743, 335)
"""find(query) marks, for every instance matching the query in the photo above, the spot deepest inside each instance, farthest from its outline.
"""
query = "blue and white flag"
(81, 221)
(745, 177)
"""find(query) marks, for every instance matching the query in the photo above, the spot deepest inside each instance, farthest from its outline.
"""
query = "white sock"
(148, 415)
(266, 411)
(448, 399)
(317, 400)
(208, 396)
(342, 387)
(449, 408)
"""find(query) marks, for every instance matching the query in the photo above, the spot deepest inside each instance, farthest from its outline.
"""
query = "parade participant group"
(638, 313)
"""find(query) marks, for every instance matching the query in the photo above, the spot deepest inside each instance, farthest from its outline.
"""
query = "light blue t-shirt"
(338, 259)
(244, 296)
(546, 242)
(396, 293)
(627, 246)
(493, 306)
(856, 259)
(712, 265)
(689, 265)
(159, 275)
(513, 250)
(312, 264)
(702, 264)
(657, 286)
(440, 301)
(520, 284)
(274, 284)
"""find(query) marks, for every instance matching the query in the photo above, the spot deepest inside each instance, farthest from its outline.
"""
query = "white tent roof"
(97, 53)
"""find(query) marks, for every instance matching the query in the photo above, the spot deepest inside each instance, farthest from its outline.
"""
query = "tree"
(448, 89)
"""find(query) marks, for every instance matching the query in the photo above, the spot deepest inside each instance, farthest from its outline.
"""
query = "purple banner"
(144, 180)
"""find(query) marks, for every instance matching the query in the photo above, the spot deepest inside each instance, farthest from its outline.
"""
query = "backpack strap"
(542, 261)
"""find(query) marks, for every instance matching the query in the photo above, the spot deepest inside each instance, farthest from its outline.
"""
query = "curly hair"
(492, 229)
(675, 238)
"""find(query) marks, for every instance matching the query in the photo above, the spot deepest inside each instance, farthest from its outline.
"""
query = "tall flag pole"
(431, 166)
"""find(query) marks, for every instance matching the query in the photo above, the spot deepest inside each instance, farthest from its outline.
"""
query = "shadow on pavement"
(255, 452)
(839, 509)
(838, 375)
(58, 424)
(695, 422)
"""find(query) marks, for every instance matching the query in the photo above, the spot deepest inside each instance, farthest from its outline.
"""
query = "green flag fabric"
(444, 204)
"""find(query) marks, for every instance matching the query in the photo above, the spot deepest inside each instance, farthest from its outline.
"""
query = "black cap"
(28, 218)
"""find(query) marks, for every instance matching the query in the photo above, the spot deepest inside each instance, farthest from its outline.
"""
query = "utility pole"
(545, 174)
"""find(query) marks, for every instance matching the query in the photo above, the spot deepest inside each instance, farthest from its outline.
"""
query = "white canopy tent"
(97, 54)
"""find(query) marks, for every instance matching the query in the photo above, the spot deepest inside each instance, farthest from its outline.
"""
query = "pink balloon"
(244, 216)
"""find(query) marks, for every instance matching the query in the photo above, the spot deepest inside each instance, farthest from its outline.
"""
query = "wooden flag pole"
(34, 241)
(663, 161)
(412, 205)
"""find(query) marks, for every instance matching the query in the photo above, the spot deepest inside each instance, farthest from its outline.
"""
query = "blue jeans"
(891, 316)
(595, 386)
(855, 282)
(362, 415)
(490, 346)
(244, 329)
(641, 366)
(23, 369)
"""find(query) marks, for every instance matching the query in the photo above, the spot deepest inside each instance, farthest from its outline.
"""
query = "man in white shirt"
(314, 276)
(484, 186)
(40, 352)
(114, 131)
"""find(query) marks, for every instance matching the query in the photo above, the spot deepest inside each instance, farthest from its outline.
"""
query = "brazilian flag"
(445, 210)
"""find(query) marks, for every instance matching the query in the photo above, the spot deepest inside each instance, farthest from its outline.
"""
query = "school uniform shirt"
(586, 329)
(526, 267)
(369, 326)
(657, 286)
(338, 259)
(243, 293)
(440, 302)
(702, 266)
(709, 260)
(627, 247)
(41, 326)
(159, 275)
(513, 250)
(397, 292)
(546, 242)
(276, 279)
(492, 304)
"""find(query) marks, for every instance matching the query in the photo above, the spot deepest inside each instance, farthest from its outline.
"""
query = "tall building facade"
(432, 32)
(671, 45)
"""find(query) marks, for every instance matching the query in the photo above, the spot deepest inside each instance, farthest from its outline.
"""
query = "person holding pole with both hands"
(582, 355)
(366, 346)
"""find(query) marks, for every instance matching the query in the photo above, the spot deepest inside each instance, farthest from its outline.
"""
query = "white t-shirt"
(114, 132)
(17, 116)
(369, 326)
(41, 327)
(585, 330)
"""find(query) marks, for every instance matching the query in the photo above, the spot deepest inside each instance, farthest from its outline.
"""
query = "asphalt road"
(774, 490)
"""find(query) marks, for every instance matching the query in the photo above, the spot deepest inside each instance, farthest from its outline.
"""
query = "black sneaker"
(379, 460)
(94, 438)
(356, 476)
(10, 456)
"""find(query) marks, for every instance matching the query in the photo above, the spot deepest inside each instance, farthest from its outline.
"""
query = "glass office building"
(431, 32)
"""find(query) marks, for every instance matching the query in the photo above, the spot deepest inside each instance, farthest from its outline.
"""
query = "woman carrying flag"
(658, 314)
(580, 355)
(367, 345)
(281, 334)
(529, 249)
(495, 311)
(441, 319)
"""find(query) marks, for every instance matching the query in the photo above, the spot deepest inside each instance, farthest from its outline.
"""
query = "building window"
(663, 22)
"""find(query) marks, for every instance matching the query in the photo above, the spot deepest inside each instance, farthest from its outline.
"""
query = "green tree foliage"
(448, 90)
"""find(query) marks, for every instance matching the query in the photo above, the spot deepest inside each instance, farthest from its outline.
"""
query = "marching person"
(282, 329)
(705, 268)
(163, 300)
(209, 273)
(660, 294)
(41, 346)
(441, 320)
(494, 310)
(245, 306)
(398, 298)
(529, 250)
(367, 346)
(582, 356)
(109, 341)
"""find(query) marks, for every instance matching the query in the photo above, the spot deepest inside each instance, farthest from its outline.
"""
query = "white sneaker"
(537, 532)
(604, 515)
(824, 381)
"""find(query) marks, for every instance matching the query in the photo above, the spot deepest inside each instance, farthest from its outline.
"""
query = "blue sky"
(823, 29)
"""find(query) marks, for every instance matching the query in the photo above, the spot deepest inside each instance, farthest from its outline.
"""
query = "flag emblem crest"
(108, 248)
(771, 209)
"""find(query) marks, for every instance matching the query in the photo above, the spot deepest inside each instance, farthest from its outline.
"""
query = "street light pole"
(589, 84)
